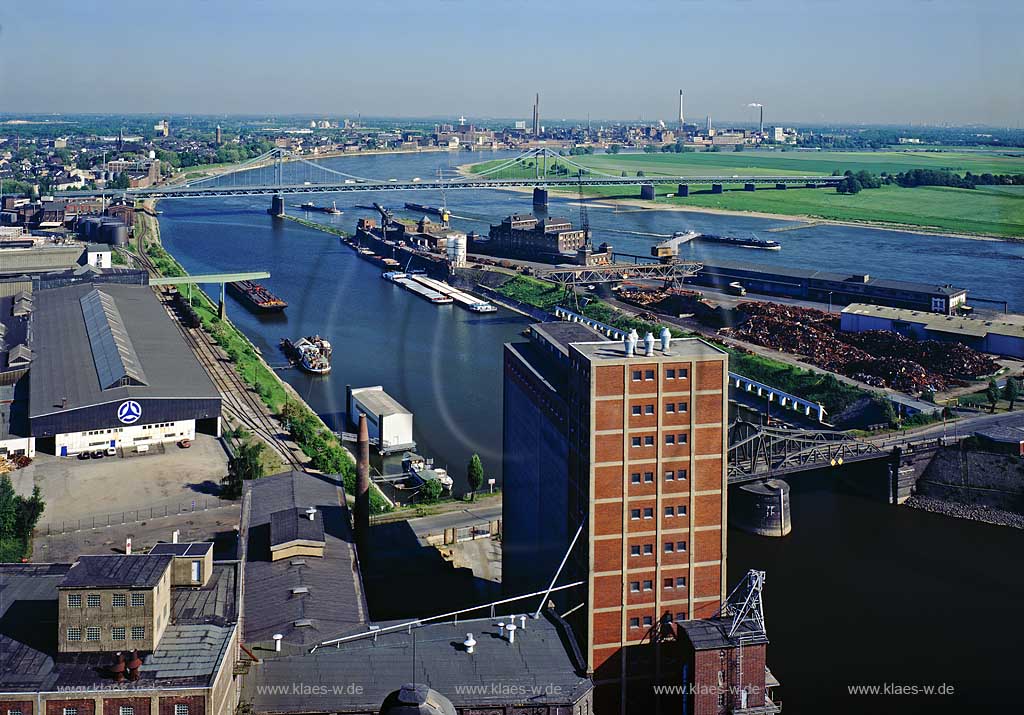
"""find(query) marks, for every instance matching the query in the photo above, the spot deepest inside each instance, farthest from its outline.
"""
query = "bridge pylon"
(276, 206)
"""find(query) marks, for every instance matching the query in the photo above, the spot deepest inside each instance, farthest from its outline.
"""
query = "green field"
(986, 210)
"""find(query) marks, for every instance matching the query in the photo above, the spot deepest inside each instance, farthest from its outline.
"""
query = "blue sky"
(900, 61)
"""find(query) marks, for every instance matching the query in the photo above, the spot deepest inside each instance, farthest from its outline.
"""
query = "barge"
(470, 302)
(255, 296)
(332, 209)
(312, 353)
(424, 209)
(751, 242)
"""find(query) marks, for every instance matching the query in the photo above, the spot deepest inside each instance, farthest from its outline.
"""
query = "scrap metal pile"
(876, 357)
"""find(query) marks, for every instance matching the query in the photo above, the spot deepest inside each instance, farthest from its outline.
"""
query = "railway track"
(238, 400)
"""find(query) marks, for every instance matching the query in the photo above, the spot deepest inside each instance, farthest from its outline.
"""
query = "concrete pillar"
(811, 186)
(222, 309)
(647, 192)
(540, 197)
(748, 187)
(276, 206)
(683, 190)
(781, 187)
(716, 188)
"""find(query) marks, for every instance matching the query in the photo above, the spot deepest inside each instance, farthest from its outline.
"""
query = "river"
(859, 593)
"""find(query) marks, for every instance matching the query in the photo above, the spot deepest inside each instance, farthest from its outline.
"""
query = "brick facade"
(84, 706)
(196, 704)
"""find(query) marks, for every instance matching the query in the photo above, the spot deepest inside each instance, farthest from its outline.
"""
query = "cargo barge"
(255, 296)
(424, 209)
(406, 281)
(332, 209)
(312, 353)
(741, 242)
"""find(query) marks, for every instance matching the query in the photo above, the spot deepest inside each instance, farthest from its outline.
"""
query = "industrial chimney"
(681, 122)
(362, 485)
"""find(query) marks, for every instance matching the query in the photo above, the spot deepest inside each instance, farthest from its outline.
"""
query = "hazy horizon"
(875, 63)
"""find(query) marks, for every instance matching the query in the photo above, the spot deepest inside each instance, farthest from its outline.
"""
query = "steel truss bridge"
(282, 172)
(614, 272)
(757, 452)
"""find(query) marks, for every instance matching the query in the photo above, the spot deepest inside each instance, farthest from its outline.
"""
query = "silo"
(457, 250)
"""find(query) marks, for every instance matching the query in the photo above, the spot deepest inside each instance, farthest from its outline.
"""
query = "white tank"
(457, 249)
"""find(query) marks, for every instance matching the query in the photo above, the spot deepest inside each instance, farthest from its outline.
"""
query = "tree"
(1011, 391)
(244, 465)
(475, 474)
(992, 394)
(738, 147)
(8, 508)
(431, 491)
(613, 149)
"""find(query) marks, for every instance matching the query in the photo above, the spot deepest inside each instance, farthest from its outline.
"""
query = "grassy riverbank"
(984, 211)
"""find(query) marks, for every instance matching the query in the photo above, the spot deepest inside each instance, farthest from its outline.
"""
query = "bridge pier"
(222, 308)
(276, 206)
(540, 197)
(716, 188)
(748, 187)
(780, 187)
(811, 185)
(683, 190)
(762, 508)
(647, 192)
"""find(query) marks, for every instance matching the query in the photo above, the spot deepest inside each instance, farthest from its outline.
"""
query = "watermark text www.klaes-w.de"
(901, 689)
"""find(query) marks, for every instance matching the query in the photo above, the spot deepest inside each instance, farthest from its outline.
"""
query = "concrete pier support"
(748, 187)
(647, 192)
(276, 206)
(762, 508)
(540, 197)
(683, 190)
(781, 187)
(716, 188)
(222, 308)
(811, 185)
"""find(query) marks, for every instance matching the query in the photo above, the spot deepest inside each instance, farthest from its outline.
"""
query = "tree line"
(18, 517)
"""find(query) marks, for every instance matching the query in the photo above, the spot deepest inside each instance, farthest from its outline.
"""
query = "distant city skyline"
(913, 62)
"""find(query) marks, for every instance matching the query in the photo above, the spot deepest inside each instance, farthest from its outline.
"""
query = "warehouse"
(110, 370)
(386, 419)
(987, 336)
(834, 288)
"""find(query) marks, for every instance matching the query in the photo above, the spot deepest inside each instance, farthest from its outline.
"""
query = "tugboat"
(312, 353)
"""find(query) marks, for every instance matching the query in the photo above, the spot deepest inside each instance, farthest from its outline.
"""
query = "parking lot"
(165, 479)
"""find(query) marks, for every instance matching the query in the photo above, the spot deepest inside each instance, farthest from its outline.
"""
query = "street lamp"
(830, 302)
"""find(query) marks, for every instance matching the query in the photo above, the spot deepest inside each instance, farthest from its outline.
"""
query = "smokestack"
(760, 123)
(536, 115)
(362, 485)
(681, 109)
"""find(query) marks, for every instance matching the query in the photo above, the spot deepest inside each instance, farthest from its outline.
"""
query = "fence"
(134, 516)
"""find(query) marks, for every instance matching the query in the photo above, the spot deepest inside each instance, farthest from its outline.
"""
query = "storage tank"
(457, 249)
(761, 508)
(89, 227)
(111, 231)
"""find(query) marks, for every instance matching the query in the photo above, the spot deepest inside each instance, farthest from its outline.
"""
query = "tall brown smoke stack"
(362, 484)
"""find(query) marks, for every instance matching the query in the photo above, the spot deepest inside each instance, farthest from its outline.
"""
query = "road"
(426, 526)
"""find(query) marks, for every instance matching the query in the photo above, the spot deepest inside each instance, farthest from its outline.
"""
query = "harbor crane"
(668, 251)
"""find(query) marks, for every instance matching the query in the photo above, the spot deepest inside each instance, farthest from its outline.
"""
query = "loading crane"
(668, 251)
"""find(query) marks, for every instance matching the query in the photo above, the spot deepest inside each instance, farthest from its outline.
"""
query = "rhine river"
(860, 593)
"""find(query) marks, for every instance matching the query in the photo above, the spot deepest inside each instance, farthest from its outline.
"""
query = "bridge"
(757, 452)
(280, 172)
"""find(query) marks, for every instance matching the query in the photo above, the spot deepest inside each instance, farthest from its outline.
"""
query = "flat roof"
(851, 278)
(117, 570)
(378, 402)
(679, 349)
(335, 601)
(539, 668)
(562, 333)
(939, 322)
(64, 367)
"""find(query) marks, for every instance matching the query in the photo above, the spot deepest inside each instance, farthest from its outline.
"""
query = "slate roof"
(187, 549)
(713, 633)
(187, 656)
(64, 366)
(334, 601)
(117, 570)
(539, 665)
(294, 524)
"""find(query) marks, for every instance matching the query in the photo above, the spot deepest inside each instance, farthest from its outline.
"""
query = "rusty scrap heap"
(876, 357)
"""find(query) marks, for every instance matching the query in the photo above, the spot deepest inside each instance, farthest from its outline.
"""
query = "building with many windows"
(627, 447)
(120, 634)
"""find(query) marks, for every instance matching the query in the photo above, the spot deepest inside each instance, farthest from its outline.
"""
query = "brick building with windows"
(628, 446)
(143, 634)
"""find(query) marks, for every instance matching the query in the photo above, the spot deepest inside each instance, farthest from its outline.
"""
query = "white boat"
(314, 354)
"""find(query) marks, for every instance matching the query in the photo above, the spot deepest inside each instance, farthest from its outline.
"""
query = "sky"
(807, 61)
